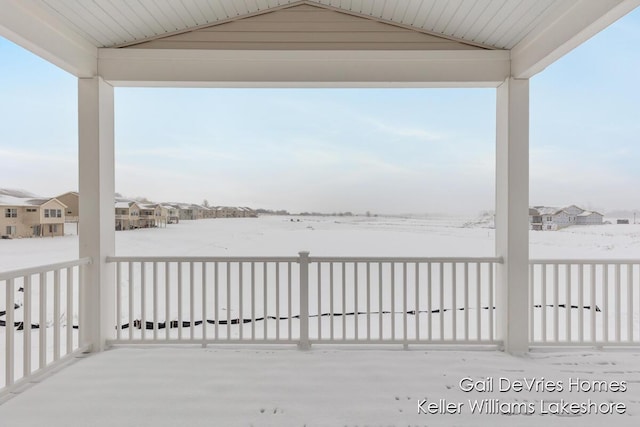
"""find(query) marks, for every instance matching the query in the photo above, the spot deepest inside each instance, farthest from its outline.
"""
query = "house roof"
(6, 200)
(121, 204)
(546, 210)
(589, 213)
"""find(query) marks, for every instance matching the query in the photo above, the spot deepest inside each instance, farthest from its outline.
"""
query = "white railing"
(305, 300)
(39, 320)
(585, 302)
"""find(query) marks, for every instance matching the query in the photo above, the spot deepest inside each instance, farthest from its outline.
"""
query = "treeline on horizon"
(285, 212)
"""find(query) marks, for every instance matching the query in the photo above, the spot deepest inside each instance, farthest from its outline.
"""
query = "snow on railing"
(584, 302)
(305, 300)
(39, 310)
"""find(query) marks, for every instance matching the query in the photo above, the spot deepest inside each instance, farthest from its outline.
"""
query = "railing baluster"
(580, 302)
(532, 317)
(69, 310)
(167, 300)
(344, 302)
(155, 301)
(368, 301)
(10, 331)
(143, 299)
(617, 303)
(441, 271)
(203, 277)
(26, 326)
(629, 302)
(180, 313)
(118, 301)
(393, 301)
(404, 303)
(192, 298)
(331, 319)
(265, 297)
(355, 300)
(130, 288)
(492, 303)
(605, 302)
(466, 301)
(380, 306)
(479, 301)
(290, 314)
(253, 302)
(216, 302)
(543, 305)
(592, 297)
(567, 278)
(277, 301)
(304, 300)
(454, 301)
(417, 303)
(319, 264)
(228, 271)
(556, 303)
(240, 302)
(56, 315)
(42, 331)
(429, 303)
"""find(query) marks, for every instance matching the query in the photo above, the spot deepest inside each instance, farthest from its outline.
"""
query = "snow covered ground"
(331, 236)
(324, 386)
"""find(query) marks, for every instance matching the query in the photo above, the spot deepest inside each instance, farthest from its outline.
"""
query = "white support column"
(512, 213)
(97, 217)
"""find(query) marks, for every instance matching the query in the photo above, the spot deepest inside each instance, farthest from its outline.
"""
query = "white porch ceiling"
(81, 36)
(497, 24)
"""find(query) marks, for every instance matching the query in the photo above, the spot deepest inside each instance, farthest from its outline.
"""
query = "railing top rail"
(8, 275)
(498, 260)
(585, 261)
(296, 259)
(199, 259)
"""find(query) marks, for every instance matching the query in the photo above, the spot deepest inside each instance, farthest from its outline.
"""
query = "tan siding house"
(32, 217)
(72, 200)
(127, 215)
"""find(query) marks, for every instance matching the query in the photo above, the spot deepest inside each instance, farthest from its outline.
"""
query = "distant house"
(31, 217)
(173, 214)
(152, 215)
(550, 218)
(72, 200)
(249, 213)
(127, 215)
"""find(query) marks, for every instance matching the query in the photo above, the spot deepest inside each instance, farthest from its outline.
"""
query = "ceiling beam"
(29, 26)
(576, 23)
(249, 68)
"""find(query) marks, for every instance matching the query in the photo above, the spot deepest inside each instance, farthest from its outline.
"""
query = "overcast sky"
(384, 151)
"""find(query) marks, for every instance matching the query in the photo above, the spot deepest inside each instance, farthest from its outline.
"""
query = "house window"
(11, 230)
(53, 213)
(32, 210)
(53, 228)
(549, 218)
(11, 213)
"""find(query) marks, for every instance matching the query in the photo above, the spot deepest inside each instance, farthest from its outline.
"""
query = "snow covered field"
(331, 236)
(293, 388)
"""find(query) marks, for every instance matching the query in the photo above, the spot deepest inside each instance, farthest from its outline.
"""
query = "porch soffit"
(76, 34)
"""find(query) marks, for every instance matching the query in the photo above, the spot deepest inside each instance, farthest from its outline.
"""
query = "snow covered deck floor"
(322, 387)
